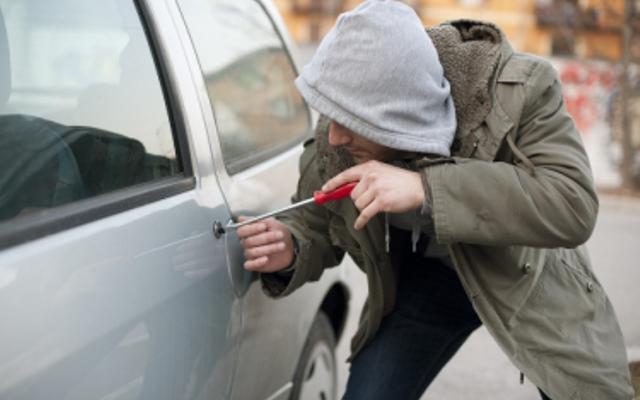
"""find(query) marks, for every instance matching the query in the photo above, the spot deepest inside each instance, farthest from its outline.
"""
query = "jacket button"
(589, 287)
(526, 268)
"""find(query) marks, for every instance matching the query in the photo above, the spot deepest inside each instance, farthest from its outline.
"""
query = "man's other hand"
(268, 245)
(381, 188)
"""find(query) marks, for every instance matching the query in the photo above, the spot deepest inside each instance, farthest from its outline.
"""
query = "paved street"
(481, 371)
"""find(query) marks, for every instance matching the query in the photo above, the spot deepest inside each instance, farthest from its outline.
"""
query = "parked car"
(131, 133)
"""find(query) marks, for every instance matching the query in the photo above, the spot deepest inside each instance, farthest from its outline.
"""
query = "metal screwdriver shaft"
(319, 198)
(270, 214)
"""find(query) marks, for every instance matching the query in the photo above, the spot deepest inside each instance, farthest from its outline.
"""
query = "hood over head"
(377, 73)
(471, 54)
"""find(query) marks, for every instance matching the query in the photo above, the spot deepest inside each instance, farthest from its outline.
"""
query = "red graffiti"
(583, 110)
(584, 74)
(586, 89)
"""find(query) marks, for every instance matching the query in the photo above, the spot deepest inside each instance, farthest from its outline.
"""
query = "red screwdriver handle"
(340, 193)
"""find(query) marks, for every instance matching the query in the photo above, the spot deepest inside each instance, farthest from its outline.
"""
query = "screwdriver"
(319, 198)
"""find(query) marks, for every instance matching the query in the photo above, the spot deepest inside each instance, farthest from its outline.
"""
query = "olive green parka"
(514, 205)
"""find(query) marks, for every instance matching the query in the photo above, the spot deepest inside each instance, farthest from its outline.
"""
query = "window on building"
(563, 44)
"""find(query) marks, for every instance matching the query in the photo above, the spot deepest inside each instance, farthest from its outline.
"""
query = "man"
(490, 234)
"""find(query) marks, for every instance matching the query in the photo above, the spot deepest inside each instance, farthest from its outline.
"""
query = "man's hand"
(381, 188)
(268, 245)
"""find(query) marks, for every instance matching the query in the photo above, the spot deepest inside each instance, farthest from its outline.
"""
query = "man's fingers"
(365, 215)
(263, 238)
(251, 229)
(260, 251)
(361, 201)
(350, 175)
(256, 264)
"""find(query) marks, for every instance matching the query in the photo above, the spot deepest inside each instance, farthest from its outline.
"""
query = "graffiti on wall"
(587, 89)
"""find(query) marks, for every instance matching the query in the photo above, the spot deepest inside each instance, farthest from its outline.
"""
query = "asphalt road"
(480, 371)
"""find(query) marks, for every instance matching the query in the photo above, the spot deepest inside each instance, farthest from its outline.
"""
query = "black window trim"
(176, 118)
(49, 221)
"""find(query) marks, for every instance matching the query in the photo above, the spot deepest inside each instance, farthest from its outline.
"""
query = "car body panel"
(99, 319)
(270, 335)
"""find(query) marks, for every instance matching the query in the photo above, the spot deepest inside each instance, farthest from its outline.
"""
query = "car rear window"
(249, 78)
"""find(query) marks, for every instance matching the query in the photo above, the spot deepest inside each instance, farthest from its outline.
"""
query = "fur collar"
(469, 52)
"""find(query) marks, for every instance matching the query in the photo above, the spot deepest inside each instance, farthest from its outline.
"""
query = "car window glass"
(82, 111)
(249, 79)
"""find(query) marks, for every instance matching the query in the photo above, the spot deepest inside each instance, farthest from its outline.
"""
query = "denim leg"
(431, 320)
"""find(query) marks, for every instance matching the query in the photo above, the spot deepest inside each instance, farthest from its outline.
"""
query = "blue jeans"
(431, 320)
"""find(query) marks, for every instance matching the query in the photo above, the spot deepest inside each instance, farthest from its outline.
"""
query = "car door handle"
(218, 230)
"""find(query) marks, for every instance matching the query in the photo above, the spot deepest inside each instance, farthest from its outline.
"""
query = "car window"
(82, 110)
(249, 78)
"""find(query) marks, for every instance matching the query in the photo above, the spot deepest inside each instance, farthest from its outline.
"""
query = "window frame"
(256, 157)
(49, 221)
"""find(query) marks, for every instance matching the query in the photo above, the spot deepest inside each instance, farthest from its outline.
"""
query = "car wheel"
(315, 377)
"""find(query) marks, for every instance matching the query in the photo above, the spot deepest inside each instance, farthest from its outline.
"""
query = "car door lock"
(218, 230)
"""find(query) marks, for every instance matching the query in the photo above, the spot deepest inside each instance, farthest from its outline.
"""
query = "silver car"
(131, 133)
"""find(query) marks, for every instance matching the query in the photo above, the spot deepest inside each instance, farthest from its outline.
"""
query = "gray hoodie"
(377, 73)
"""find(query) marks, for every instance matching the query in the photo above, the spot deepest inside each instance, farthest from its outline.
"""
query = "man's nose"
(338, 135)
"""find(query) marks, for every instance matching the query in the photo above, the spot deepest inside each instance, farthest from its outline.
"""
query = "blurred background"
(595, 47)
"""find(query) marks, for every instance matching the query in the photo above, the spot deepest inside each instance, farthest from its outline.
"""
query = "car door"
(256, 122)
(113, 284)
(257, 119)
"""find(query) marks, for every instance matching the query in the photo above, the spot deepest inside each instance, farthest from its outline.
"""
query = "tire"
(315, 377)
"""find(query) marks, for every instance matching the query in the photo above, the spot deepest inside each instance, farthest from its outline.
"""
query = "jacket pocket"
(568, 336)
(565, 298)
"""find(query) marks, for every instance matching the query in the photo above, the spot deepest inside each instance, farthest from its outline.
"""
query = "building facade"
(587, 29)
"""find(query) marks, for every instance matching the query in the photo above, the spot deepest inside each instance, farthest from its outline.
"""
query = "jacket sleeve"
(309, 227)
(501, 204)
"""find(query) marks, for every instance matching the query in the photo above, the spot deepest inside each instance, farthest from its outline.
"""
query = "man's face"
(360, 148)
